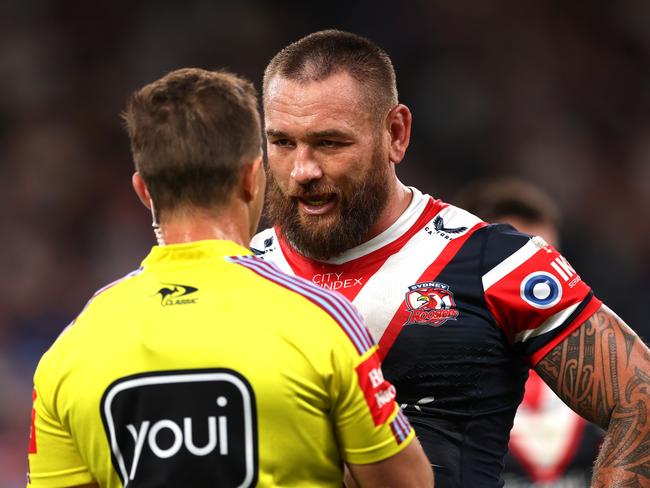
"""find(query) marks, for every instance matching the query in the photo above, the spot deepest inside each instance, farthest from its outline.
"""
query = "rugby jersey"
(461, 310)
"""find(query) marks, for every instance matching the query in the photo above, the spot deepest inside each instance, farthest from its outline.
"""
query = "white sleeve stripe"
(508, 265)
(553, 322)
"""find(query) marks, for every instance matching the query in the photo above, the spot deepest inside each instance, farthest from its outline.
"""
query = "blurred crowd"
(554, 92)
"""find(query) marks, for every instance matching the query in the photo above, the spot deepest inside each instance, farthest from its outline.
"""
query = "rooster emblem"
(431, 303)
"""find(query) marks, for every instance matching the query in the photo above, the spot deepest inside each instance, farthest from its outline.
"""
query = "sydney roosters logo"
(430, 303)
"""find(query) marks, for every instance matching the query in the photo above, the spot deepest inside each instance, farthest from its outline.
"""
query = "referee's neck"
(198, 224)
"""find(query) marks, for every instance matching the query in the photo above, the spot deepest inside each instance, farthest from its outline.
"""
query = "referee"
(206, 366)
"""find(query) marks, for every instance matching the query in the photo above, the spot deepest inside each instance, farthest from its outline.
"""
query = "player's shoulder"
(451, 223)
(503, 241)
(455, 218)
(494, 242)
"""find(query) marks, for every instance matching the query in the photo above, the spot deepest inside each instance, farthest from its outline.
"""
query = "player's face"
(328, 158)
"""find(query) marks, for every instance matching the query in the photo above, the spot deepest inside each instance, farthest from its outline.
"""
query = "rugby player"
(461, 309)
(207, 366)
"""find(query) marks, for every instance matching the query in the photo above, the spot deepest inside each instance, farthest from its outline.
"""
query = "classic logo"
(430, 302)
(173, 293)
(182, 428)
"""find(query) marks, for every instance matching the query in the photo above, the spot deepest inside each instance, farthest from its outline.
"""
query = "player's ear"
(141, 189)
(252, 180)
(398, 123)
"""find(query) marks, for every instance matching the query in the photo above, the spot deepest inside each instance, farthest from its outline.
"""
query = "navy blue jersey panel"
(460, 382)
(502, 240)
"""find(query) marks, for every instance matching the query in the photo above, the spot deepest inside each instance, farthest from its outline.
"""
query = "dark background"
(554, 92)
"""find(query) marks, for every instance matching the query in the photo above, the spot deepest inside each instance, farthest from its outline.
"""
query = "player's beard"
(323, 237)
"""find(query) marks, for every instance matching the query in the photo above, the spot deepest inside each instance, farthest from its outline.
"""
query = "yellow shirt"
(208, 367)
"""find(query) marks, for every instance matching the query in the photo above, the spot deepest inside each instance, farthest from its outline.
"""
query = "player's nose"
(305, 167)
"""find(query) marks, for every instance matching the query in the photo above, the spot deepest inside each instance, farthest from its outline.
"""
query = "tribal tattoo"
(602, 371)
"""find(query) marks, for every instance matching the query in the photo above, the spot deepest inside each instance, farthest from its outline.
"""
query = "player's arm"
(602, 371)
(408, 468)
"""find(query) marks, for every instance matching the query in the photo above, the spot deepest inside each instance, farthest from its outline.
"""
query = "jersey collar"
(192, 251)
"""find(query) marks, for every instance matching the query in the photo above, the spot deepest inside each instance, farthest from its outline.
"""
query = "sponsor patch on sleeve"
(533, 292)
(379, 393)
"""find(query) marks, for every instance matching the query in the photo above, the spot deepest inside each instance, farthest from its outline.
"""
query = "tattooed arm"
(602, 371)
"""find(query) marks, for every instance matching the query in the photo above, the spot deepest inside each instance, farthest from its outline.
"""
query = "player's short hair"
(492, 200)
(190, 133)
(321, 54)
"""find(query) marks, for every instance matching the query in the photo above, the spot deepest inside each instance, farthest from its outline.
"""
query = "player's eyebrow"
(323, 134)
(329, 133)
(275, 133)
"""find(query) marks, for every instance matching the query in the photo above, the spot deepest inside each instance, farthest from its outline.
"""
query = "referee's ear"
(252, 181)
(141, 189)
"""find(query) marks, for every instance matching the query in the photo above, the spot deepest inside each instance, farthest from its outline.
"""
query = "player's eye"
(329, 143)
(282, 142)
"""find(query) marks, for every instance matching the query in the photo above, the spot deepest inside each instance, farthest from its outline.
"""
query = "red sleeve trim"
(587, 312)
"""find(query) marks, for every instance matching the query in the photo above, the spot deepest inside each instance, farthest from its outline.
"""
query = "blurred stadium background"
(554, 92)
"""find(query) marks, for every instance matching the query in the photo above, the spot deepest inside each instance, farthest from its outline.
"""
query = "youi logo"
(182, 428)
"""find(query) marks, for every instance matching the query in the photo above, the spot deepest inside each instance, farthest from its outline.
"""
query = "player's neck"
(398, 200)
(202, 224)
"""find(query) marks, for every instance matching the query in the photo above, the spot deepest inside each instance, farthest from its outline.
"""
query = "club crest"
(430, 303)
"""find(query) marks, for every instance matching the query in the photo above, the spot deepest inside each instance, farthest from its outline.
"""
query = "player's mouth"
(317, 204)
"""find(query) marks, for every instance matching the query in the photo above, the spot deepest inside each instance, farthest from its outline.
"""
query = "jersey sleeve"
(370, 425)
(536, 297)
(54, 460)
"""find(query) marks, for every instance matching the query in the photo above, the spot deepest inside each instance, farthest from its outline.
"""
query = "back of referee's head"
(191, 133)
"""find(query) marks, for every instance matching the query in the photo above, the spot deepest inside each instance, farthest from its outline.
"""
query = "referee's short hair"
(190, 132)
(321, 54)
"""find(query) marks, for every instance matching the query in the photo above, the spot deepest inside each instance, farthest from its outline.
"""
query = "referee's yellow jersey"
(209, 367)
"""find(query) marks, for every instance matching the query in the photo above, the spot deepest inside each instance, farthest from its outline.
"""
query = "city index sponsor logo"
(175, 294)
(335, 281)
